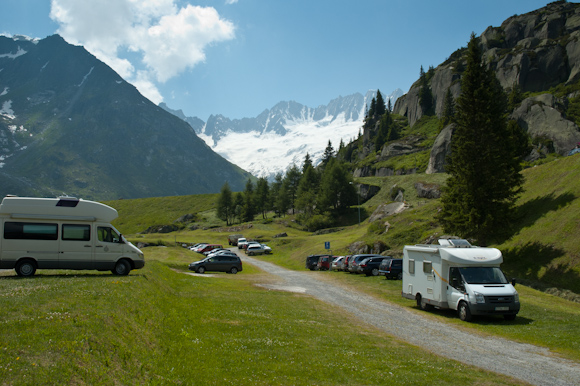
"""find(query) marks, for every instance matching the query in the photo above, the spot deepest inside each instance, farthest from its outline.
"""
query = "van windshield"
(483, 275)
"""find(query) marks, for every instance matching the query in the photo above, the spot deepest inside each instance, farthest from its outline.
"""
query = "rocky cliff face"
(536, 52)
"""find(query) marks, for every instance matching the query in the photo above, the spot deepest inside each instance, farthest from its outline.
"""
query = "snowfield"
(266, 154)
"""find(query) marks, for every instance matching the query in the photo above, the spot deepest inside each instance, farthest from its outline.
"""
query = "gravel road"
(529, 363)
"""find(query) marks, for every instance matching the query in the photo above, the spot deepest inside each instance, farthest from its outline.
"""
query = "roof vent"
(67, 202)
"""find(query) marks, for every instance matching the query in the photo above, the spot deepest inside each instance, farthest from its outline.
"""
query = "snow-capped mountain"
(279, 137)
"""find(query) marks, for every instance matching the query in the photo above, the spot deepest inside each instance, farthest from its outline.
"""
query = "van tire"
(463, 312)
(122, 268)
(25, 268)
(422, 305)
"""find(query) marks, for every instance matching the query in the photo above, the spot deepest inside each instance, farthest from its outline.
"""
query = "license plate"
(502, 308)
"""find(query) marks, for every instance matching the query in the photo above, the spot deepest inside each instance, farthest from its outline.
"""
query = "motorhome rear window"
(76, 232)
(30, 231)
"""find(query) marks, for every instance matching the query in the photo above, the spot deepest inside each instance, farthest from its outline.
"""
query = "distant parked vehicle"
(267, 249)
(233, 239)
(223, 252)
(312, 261)
(337, 263)
(347, 259)
(242, 242)
(208, 247)
(224, 263)
(370, 265)
(355, 260)
(391, 268)
(206, 253)
(324, 263)
(254, 249)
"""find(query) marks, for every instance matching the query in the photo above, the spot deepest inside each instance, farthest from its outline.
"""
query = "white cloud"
(231, 1)
(169, 39)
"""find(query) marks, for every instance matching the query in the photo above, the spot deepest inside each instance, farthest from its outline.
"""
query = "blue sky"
(240, 57)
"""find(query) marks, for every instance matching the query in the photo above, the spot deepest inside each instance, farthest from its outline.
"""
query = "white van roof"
(62, 208)
(461, 254)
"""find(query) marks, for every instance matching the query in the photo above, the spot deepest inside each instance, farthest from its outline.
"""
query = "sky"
(239, 57)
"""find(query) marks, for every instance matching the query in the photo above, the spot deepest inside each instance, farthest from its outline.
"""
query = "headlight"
(479, 298)
(517, 297)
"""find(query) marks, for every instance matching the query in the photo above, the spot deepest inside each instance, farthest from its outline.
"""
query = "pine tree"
(262, 196)
(307, 163)
(249, 209)
(328, 154)
(292, 180)
(425, 95)
(307, 194)
(478, 201)
(337, 192)
(225, 205)
(379, 104)
(448, 110)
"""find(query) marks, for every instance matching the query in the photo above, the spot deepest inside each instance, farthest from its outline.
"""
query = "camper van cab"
(63, 233)
(458, 276)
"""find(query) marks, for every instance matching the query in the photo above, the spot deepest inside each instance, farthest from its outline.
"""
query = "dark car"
(392, 268)
(219, 263)
(370, 265)
(312, 261)
(355, 260)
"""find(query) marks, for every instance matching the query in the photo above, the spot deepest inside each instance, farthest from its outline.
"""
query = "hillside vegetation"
(543, 250)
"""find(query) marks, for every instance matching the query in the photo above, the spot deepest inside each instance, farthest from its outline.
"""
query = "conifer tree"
(478, 201)
(262, 196)
(249, 209)
(336, 191)
(225, 205)
(379, 104)
(425, 95)
(328, 154)
(448, 110)
(292, 180)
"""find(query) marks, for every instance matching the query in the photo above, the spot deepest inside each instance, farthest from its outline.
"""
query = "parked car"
(198, 246)
(337, 263)
(242, 242)
(312, 261)
(346, 261)
(254, 249)
(370, 265)
(213, 251)
(324, 263)
(355, 260)
(208, 247)
(392, 268)
(267, 249)
(222, 253)
(220, 263)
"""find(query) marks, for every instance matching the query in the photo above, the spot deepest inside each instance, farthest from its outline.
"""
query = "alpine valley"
(281, 136)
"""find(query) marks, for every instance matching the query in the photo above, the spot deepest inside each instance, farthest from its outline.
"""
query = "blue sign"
(327, 245)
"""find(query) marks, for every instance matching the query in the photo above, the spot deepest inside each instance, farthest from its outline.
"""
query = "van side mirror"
(514, 281)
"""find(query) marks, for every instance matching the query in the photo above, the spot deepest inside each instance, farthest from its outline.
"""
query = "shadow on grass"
(527, 261)
(40, 275)
(483, 320)
(529, 212)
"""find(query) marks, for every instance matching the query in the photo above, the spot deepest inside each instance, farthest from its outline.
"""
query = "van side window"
(412, 267)
(76, 232)
(30, 231)
(108, 235)
(427, 267)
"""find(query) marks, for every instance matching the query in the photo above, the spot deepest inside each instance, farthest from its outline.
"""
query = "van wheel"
(422, 305)
(463, 312)
(25, 268)
(234, 270)
(122, 268)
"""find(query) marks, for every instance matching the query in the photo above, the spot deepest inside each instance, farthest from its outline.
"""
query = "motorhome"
(458, 276)
(63, 233)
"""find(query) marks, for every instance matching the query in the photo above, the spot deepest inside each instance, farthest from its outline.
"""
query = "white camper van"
(459, 276)
(63, 233)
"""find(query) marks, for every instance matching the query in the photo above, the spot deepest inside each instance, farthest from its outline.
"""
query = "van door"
(455, 288)
(76, 247)
(108, 247)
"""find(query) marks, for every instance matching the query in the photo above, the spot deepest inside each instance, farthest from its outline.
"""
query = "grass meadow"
(161, 326)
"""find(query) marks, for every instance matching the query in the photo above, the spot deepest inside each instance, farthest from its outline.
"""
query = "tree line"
(317, 194)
